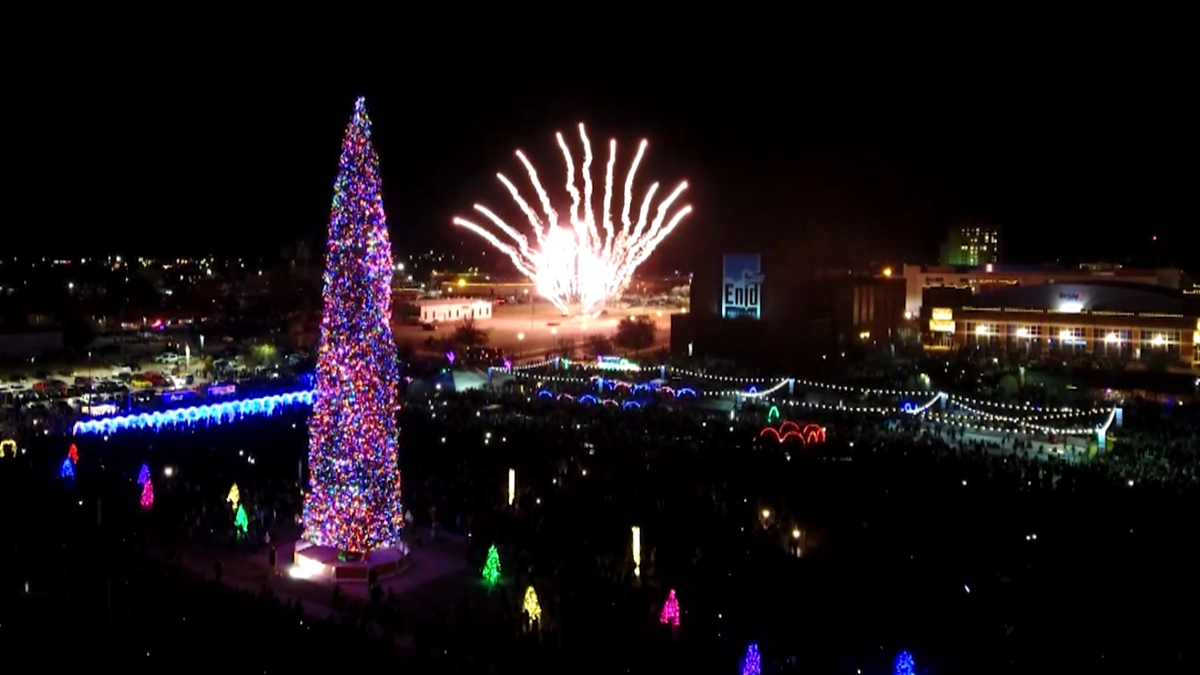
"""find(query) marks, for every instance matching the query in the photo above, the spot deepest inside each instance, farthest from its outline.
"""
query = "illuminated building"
(972, 244)
(770, 309)
(453, 310)
(919, 278)
(1119, 320)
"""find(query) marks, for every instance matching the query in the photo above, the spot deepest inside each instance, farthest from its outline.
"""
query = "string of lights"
(213, 413)
(354, 499)
(1062, 413)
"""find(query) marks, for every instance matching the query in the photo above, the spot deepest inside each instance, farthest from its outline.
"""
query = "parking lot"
(529, 332)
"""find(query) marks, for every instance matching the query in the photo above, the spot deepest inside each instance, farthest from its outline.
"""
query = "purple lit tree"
(354, 502)
(752, 661)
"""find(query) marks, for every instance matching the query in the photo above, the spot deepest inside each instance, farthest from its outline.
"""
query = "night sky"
(134, 155)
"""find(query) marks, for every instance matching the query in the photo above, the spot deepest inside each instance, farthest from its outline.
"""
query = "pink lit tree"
(670, 611)
(147, 494)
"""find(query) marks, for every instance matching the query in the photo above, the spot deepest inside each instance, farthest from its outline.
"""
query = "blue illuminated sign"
(741, 286)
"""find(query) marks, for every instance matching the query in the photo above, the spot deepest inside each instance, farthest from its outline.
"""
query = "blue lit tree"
(905, 664)
(354, 501)
(752, 661)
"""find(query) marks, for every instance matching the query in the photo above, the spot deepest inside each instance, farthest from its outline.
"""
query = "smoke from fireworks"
(583, 259)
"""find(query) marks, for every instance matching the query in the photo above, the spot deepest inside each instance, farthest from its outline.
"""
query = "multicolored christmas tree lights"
(144, 474)
(752, 661)
(905, 664)
(354, 502)
(147, 500)
(670, 611)
(491, 568)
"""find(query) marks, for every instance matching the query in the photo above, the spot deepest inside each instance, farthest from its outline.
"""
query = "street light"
(530, 299)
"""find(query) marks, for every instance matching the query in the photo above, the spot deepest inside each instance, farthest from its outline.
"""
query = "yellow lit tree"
(530, 606)
(235, 497)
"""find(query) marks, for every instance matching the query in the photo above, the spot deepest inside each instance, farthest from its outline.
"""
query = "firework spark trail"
(625, 222)
(571, 188)
(589, 218)
(608, 197)
(575, 264)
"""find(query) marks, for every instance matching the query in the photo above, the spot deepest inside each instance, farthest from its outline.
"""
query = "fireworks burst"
(583, 260)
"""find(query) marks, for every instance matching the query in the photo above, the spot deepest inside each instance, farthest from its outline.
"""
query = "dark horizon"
(842, 173)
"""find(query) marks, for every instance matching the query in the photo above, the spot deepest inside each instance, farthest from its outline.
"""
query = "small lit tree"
(491, 568)
(240, 521)
(73, 454)
(147, 500)
(752, 661)
(530, 606)
(234, 497)
(905, 664)
(144, 475)
(670, 611)
(67, 470)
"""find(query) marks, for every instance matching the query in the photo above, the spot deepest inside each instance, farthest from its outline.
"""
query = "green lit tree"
(491, 568)
(240, 521)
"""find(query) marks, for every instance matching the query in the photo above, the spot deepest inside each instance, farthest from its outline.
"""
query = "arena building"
(1125, 321)
(917, 278)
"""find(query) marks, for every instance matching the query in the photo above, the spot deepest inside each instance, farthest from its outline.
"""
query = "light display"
(240, 521)
(234, 497)
(8, 447)
(530, 605)
(67, 470)
(752, 661)
(147, 499)
(581, 259)
(617, 363)
(904, 664)
(512, 486)
(491, 568)
(73, 454)
(669, 615)
(637, 551)
(213, 413)
(741, 286)
(354, 501)
(144, 474)
(810, 434)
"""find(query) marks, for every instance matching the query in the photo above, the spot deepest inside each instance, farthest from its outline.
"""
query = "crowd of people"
(892, 533)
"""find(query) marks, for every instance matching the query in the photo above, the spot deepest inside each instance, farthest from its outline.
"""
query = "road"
(525, 334)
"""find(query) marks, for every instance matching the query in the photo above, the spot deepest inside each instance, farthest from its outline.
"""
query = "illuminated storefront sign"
(616, 363)
(942, 321)
(742, 286)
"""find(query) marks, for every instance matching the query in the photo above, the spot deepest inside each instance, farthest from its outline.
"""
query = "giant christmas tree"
(354, 501)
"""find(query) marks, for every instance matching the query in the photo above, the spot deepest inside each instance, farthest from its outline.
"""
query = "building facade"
(767, 309)
(972, 244)
(453, 309)
(918, 278)
(1120, 321)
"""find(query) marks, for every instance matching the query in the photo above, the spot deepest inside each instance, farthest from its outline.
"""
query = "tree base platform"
(329, 564)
